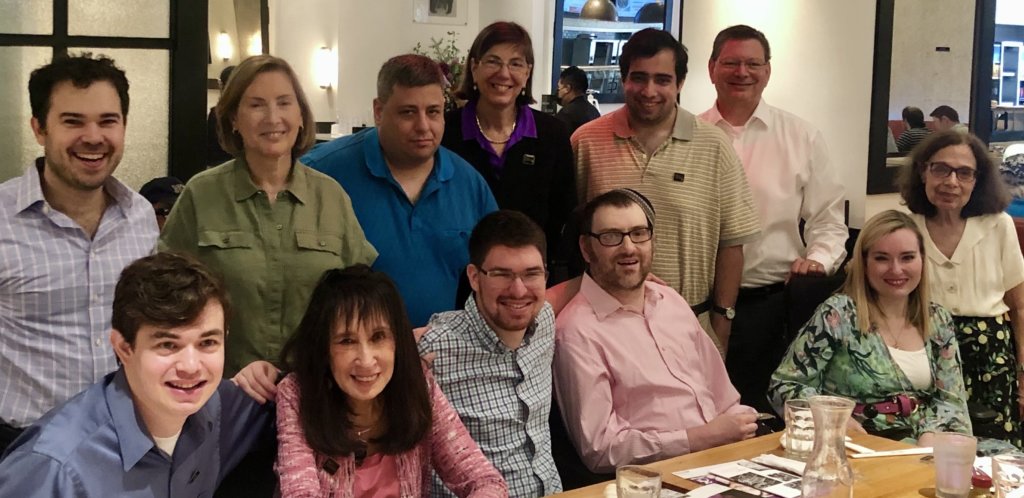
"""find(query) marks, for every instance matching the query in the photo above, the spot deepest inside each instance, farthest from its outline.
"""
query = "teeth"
(90, 157)
(369, 378)
(183, 386)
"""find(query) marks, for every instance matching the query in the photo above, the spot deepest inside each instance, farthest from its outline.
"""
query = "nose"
(188, 361)
(91, 133)
(422, 121)
(517, 288)
(364, 355)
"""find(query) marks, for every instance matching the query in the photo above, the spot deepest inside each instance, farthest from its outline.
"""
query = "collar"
(761, 113)
(578, 98)
(378, 166)
(484, 335)
(526, 126)
(30, 189)
(244, 188)
(682, 129)
(604, 304)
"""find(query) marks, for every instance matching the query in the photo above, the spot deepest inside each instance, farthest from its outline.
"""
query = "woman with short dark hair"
(358, 415)
(974, 262)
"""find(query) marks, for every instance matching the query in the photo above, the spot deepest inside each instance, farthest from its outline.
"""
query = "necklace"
(496, 142)
(896, 337)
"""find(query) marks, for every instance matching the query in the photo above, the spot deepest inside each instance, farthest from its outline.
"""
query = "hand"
(806, 267)
(258, 380)
(855, 427)
(736, 424)
(723, 329)
(926, 440)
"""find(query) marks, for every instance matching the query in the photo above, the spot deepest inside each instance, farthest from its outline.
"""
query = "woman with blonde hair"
(880, 342)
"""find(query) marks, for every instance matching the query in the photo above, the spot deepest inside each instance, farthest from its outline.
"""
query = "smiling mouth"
(89, 157)
(516, 306)
(186, 387)
(274, 135)
(500, 87)
(897, 282)
(366, 378)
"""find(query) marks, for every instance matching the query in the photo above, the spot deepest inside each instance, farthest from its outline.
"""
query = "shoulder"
(210, 180)
(548, 123)
(462, 172)
(339, 149)
(570, 321)
(444, 327)
(320, 181)
(82, 423)
(598, 128)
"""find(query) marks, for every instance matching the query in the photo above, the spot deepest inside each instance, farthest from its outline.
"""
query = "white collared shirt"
(787, 166)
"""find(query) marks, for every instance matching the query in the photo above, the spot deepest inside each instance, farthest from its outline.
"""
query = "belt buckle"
(906, 403)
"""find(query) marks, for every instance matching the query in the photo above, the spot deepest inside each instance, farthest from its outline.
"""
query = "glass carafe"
(828, 473)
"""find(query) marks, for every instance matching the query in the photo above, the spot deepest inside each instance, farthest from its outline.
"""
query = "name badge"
(529, 159)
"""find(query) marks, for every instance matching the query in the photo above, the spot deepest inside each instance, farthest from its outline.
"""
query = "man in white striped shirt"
(67, 229)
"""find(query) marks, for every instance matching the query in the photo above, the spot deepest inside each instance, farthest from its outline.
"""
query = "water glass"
(954, 460)
(799, 429)
(1008, 475)
(634, 481)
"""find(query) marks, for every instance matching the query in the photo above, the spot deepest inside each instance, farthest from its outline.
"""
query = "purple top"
(525, 127)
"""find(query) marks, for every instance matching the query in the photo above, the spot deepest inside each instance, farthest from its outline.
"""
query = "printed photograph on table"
(450, 12)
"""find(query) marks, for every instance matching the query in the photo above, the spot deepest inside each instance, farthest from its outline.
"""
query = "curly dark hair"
(990, 194)
(82, 70)
(341, 294)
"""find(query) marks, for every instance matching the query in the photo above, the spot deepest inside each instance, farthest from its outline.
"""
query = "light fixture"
(256, 44)
(601, 10)
(224, 47)
(325, 68)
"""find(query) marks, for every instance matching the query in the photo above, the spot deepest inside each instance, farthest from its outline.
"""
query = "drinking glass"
(799, 429)
(634, 481)
(1008, 475)
(954, 459)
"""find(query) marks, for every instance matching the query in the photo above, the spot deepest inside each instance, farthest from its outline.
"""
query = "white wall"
(1010, 12)
(822, 56)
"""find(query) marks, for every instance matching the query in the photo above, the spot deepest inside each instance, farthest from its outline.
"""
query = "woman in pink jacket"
(358, 415)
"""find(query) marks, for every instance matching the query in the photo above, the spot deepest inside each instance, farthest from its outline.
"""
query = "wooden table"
(898, 476)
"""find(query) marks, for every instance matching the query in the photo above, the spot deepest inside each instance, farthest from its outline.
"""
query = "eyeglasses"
(614, 238)
(940, 171)
(752, 65)
(162, 211)
(515, 66)
(531, 277)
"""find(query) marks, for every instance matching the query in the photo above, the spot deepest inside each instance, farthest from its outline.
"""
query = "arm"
(582, 168)
(1013, 280)
(562, 195)
(355, 247)
(296, 462)
(1014, 298)
(799, 376)
(728, 273)
(825, 230)
(259, 380)
(947, 410)
(32, 475)
(456, 458)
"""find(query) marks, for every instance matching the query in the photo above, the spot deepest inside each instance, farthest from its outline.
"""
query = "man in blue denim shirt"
(164, 424)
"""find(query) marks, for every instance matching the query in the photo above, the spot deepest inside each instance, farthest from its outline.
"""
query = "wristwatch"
(729, 313)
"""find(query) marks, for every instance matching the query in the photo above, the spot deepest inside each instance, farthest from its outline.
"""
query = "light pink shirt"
(630, 384)
(377, 477)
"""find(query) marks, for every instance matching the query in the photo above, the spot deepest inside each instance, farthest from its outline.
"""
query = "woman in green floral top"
(880, 337)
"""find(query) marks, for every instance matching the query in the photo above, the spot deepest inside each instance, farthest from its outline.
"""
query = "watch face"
(730, 313)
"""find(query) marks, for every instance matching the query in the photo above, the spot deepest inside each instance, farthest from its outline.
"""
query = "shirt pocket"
(213, 239)
(312, 241)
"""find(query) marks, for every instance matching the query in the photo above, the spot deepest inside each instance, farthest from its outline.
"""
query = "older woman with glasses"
(974, 263)
(523, 154)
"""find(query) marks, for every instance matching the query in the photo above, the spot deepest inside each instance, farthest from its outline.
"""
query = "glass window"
(125, 18)
(26, 17)
(16, 138)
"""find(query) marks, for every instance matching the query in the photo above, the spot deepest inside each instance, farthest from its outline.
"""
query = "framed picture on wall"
(450, 12)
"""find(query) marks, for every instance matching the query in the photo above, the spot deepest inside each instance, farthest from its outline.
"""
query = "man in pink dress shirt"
(636, 377)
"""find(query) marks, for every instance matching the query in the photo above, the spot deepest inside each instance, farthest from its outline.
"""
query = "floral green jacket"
(830, 356)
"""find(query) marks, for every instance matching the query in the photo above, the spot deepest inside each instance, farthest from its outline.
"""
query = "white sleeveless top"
(915, 365)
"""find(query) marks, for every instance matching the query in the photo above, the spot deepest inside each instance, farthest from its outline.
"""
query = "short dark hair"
(231, 98)
(82, 70)
(945, 111)
(166, 289)
(342, 294)
(497, 33)
(409, 71)
(618, 198)
(225, 75)
(505, 228)
(575, 78)
(913, 116)
(646, 43)
(990, 194)
(740, 32)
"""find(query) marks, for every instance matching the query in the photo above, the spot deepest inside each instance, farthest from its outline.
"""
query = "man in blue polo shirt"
(416, 201)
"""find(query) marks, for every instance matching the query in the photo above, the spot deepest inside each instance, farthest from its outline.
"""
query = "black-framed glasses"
(940, 170)
(531, 277)
(752, 65)
(613, 238)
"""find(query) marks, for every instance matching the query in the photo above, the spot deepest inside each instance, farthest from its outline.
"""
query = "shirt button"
(947, 264)
(99, 342)
(956, 311)
(951, 288)
(279, 226)
(322, 243)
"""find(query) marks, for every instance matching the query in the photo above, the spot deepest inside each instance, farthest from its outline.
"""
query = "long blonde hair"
(857, 287)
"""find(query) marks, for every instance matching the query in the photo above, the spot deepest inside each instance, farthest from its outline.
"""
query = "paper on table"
(908, 451)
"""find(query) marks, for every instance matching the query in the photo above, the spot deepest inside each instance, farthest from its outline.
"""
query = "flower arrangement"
(446, 53)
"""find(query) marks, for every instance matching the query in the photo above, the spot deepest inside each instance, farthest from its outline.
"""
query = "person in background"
(266, 222)
(417, 201)
(576, 111)
(773, 145)
(358, 415)
(164, 423)
(636, 377)
(215, 154)
(685, 166)
(67, 229)
(947, 118)
(524, 154)
(880, 342)
(913, 119)
(162, 193)
(493, 358)
(974, 262)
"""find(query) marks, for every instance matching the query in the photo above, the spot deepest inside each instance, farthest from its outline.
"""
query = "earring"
(523, 92)
(474, 87)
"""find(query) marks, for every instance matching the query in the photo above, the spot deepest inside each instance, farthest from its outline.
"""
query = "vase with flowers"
(446, 53)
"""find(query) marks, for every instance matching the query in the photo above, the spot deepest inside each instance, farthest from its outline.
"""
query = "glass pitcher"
(828, 473)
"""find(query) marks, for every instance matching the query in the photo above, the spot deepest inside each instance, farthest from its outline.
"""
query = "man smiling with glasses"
(637, 379)
(493, 359)
(787, 166)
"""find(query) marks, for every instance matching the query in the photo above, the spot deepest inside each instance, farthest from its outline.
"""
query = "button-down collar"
(244, 187)
(30, 189)
(682, 129)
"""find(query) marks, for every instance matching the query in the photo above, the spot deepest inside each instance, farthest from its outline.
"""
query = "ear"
(378, 109)
(473, 274)
(122, 348)
(38, 130)
(711, 70)
(585, 248)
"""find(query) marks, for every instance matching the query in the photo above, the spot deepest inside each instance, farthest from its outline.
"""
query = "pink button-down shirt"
(630, 384)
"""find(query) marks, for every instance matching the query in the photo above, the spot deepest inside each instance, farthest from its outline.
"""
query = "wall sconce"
(325, 68)
(224, 47)
(256, 44)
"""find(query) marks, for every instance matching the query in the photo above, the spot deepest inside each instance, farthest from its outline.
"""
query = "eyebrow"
(105, 115)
